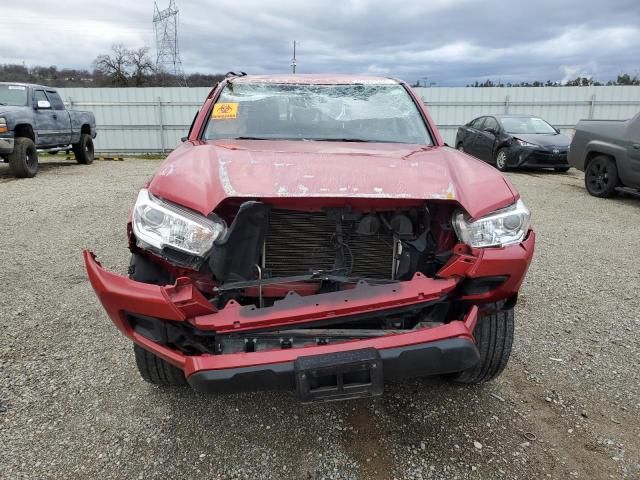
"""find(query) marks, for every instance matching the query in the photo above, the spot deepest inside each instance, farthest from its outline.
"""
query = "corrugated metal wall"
(153, 119)
(560, 106)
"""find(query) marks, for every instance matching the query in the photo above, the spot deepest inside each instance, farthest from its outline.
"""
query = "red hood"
(201, 175)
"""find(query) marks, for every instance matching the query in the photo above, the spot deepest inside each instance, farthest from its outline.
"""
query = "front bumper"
(537, 157)
(426, 351)
(6, 145)
(436, 357)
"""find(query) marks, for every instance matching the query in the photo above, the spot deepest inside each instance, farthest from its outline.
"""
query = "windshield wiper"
(362, 140)
(251, 138)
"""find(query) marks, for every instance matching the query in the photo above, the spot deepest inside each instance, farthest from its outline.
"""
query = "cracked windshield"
(356, 113)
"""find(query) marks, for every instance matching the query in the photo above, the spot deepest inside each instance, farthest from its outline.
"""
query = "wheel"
(460, 147)
(562, 169)
(601, 177)
(23, 161)
(501, 160)
(141, 269)
(155, 370)
(83, 150)
(494, 337)
(152, 368)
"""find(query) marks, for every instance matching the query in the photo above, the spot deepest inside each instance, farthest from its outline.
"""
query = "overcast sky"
(450, 42)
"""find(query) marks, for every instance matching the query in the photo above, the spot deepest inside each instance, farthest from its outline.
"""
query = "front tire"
(83, 150)
(501, 160)
(152, 368)
(601, 177)
(23, 161)
(494, 338)
(155, 370)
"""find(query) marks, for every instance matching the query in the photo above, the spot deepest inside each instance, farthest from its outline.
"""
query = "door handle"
(55, 116)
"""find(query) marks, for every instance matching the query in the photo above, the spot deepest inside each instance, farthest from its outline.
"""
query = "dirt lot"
(72, 404)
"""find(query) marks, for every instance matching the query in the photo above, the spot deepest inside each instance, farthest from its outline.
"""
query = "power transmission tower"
(294, 62)
(165, 25)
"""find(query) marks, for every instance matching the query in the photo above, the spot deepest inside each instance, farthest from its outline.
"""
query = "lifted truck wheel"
(494, 337)
(83, 150)
(23, 161)
(155, 370)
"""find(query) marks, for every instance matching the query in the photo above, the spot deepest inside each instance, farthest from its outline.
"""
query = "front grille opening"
(299, 243)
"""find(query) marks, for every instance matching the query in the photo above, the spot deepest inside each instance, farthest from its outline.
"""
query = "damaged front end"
(326, 297)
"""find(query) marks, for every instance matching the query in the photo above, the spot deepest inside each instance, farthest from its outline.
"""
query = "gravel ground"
(73, 406)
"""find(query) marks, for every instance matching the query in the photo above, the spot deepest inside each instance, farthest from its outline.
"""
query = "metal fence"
(148, 120)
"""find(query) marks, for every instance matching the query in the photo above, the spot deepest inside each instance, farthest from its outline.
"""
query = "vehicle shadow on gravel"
(7, 175)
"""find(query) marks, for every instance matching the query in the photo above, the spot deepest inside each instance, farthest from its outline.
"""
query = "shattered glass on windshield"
(360, 113)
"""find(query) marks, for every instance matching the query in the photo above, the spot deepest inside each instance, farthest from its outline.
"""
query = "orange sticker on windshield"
(224, 111)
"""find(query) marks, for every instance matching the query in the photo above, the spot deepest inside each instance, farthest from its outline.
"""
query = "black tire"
(155, 370)
(494, 337)
(501, 159)
(83, 150)
(141, 269)
(562, 169)
(23, 161)
(601, 177)
(152, 368)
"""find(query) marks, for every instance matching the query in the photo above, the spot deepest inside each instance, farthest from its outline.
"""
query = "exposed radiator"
(298, 243)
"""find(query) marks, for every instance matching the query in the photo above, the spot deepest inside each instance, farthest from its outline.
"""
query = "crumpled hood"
(200, 175)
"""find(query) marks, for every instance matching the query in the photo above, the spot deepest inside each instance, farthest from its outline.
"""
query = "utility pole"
(293, 60)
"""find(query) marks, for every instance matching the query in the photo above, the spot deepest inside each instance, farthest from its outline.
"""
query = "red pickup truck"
(314, 233)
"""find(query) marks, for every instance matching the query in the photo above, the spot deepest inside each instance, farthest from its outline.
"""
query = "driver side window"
(39, 95)
(490, 123)
(477, 123)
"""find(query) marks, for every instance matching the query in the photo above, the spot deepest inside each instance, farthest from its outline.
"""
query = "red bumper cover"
(182, 302)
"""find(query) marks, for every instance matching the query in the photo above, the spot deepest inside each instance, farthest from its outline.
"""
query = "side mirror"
(492, 131)
(43, 105)
(183, 139)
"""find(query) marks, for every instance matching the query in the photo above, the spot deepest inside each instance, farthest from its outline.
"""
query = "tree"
(114, 66)
(138, 59)
(626, 79)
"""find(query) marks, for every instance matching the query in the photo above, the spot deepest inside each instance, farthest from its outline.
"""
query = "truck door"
(632, 144)
(45, 123)
(61, 117)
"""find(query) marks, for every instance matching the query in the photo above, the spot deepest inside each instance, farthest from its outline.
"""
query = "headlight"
(522, 143)
(502, 227)
(159, 224)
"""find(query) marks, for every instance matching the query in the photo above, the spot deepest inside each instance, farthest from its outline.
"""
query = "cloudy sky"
(451, 42)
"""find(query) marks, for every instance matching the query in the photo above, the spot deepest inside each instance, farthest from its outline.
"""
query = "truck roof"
(33, 85)
(316, 79)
